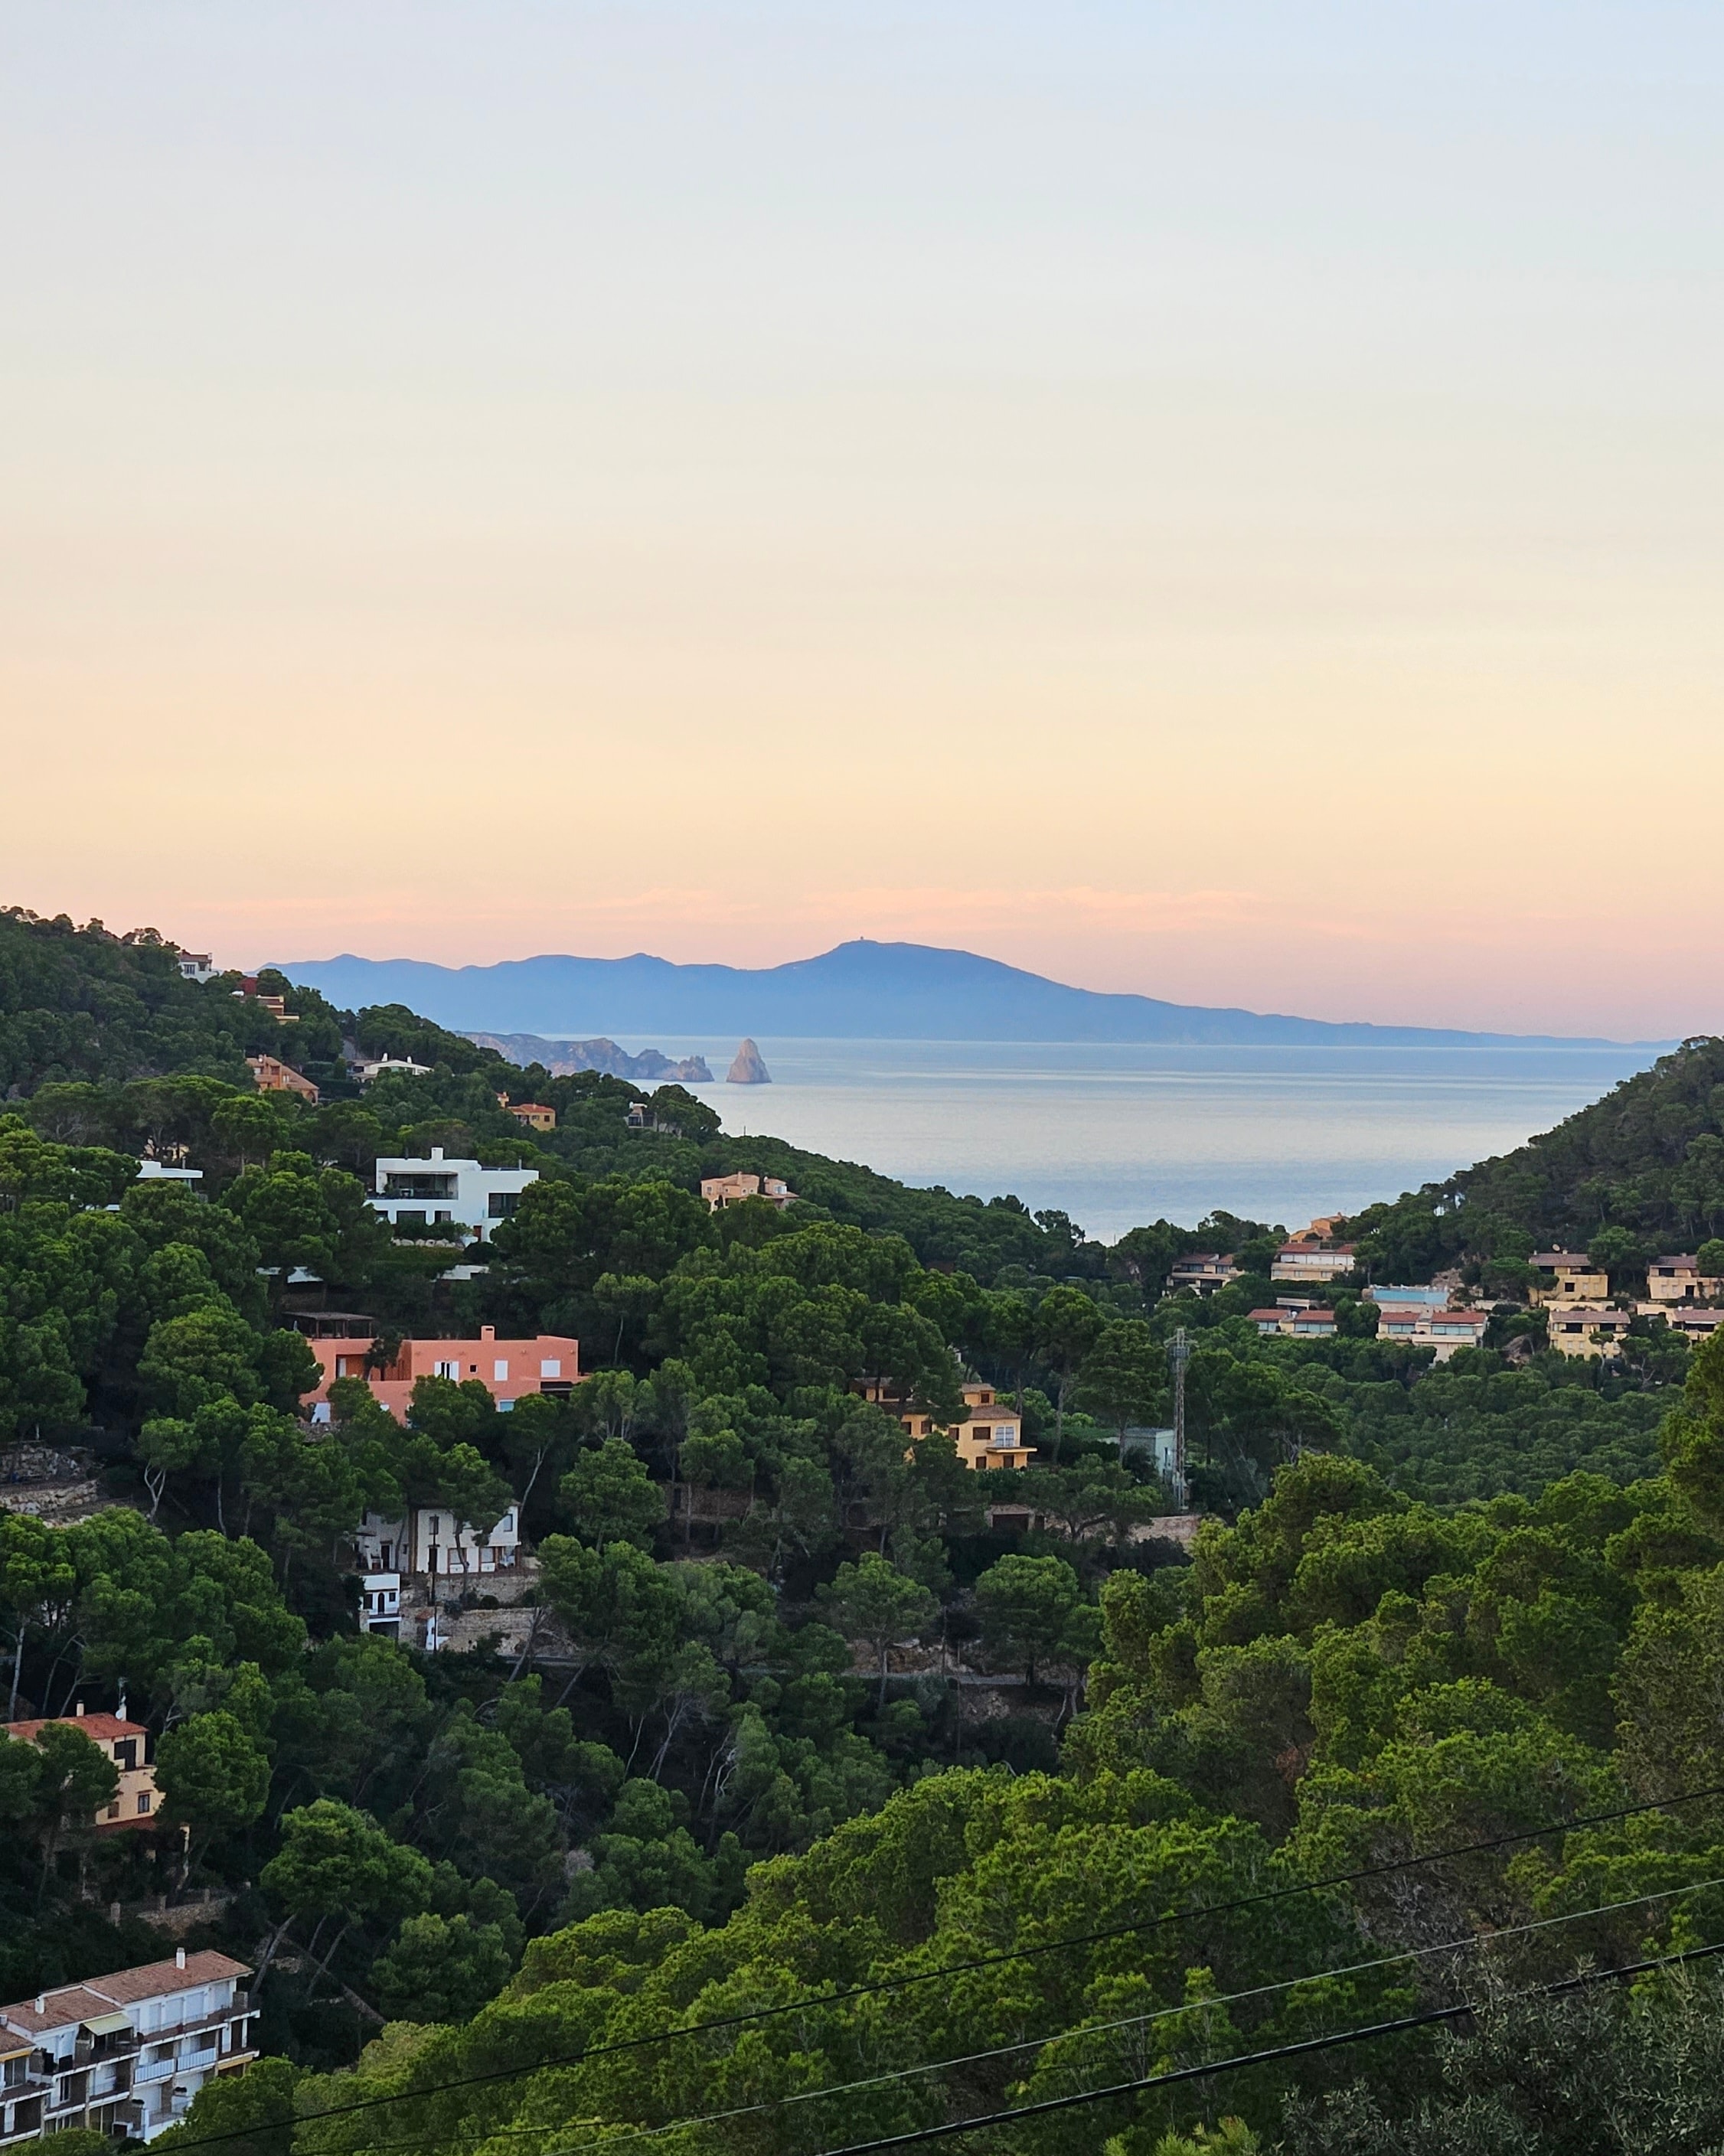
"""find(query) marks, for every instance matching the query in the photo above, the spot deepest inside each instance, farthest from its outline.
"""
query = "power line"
(1088, 2028)
(947, 1969)
(1304, 2048)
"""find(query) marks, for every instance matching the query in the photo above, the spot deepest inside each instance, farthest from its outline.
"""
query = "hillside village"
(461, 1516)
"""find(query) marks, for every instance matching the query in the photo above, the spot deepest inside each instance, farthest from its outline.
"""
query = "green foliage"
(78, 1004)
(1026, 1605)
(1123, 1377)
(1423, 1626)
(441, 1968)
(249, 2114)
(1604, 2073)
(213, 1772)
(609, 1496)
(336, 1862)
(873, 1602)
(1640, 1171)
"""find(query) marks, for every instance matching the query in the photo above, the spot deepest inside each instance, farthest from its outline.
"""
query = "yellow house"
(132, 1747)
(1680, 1279)
(1568, 1276)
(991, 1434)
(1313, 1255)
(1585, 1333)
(534, 1114)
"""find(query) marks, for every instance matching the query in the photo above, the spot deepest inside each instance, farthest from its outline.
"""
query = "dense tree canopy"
(801, 1705)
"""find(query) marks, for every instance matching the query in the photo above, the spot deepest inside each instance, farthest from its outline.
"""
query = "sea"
(1115, 1135)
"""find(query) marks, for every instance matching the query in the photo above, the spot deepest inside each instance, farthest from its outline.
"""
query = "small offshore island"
(486, 1555)
(749, 1067)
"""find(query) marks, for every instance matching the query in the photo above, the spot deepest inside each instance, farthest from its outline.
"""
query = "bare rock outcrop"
(748, 1068)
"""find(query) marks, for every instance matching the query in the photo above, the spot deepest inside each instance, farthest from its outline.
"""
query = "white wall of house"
(430, 1541)
(428, 1191)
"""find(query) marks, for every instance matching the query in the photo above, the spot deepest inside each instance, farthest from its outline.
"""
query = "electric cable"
(1304, 2047)
(1474, 1940)
(1261, 1898)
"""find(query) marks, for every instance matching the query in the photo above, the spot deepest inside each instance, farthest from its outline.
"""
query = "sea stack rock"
(747, 1069)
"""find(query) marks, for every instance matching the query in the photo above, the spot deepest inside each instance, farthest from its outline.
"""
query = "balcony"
(26, 2122)
(418, 1188)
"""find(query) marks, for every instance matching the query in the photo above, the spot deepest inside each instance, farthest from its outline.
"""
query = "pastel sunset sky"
(1225, 501)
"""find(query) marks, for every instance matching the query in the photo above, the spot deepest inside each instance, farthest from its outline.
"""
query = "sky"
(1223, 500)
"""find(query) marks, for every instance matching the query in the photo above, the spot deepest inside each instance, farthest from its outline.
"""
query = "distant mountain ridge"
(858, 991)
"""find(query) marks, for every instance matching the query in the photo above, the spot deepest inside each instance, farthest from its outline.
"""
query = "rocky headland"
(562, 1058)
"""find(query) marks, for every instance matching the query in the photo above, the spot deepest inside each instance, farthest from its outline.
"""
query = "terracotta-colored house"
(508, 1370)
(272, 1075)
(721, 1190)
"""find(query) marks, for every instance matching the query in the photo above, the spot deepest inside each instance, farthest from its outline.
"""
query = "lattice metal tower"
(1179, 1355)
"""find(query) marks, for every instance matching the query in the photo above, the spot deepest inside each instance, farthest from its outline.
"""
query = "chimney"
(81, 1707)
(179, 1957)
(41, 2002)
(121, 1710)
(436, 1152)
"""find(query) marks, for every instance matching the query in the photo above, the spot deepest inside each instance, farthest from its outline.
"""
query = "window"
(447, 1369)
(126, 1753)
(436, 1526)
(550, 1366)
(113, 1808)
(499, 1369)
(501, 1203)
(143, 1802)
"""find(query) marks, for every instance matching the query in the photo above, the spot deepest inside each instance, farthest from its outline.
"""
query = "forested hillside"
(1341, 1687)
(1639, 1173)
(803, 1720)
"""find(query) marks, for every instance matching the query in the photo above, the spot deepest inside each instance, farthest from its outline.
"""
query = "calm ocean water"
(1116, 1134)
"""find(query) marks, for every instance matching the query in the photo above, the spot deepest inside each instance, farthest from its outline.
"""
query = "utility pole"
(1179, 1355)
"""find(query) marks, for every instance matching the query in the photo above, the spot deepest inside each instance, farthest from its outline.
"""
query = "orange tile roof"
(123, 1987)
(99, 1729)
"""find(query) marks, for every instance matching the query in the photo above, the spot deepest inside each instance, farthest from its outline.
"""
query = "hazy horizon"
(1220, 505)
